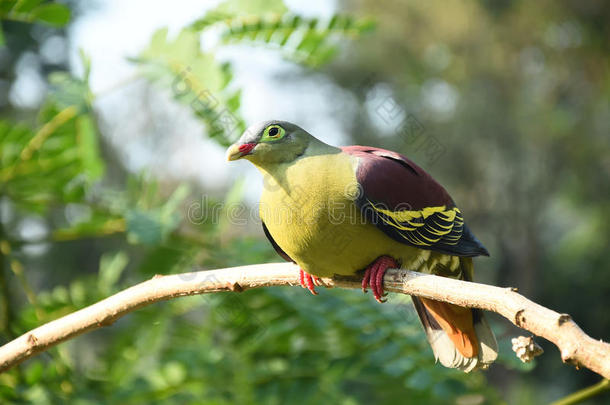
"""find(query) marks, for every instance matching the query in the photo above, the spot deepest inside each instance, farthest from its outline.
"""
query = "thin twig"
(585, 393)
(575, 346)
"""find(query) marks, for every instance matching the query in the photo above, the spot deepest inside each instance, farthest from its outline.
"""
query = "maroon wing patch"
(408, 205)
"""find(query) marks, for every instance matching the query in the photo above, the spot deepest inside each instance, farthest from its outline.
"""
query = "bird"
(353, 209)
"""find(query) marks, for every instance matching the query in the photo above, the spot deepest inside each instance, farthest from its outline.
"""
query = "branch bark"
(576, 347)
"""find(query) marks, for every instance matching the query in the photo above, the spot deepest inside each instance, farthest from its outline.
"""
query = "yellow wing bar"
(426, 227)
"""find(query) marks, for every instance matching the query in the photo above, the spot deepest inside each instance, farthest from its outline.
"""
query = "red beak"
(238, 151)
(246, 148)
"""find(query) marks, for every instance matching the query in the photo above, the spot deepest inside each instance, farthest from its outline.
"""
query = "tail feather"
(457, 323)
(488, 346)
(465, 341)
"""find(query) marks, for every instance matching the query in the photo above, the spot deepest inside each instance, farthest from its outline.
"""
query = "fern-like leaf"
(309, 41)
(196, 79)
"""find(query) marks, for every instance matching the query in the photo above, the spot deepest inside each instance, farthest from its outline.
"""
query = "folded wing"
(408, 205)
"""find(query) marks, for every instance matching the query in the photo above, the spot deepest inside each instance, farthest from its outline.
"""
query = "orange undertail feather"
(457, 322)
(460, 337)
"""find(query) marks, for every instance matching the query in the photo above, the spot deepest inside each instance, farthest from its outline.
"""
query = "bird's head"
(270, 142)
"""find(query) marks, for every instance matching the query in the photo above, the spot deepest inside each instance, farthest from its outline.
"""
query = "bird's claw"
(373, 276)
(308, 281)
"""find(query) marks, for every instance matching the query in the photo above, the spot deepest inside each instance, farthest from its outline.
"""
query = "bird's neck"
(277, 169)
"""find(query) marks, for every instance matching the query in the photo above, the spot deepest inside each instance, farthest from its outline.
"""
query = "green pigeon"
(341, 211)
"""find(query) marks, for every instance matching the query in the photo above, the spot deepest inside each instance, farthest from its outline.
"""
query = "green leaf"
(181, 63)
(167, 258)
(170, 208)
(233, 8)
(67, 90)
(59, 160)
(53, 14)
(144, 228)
(86, 138)
(34, 373)
(210, 18)
(98, 225)
(309, 41)
(174, 373)
(25, 6)
(151, 226)
(6, 6)
(195, 79)
(251, 7)
(111, 267)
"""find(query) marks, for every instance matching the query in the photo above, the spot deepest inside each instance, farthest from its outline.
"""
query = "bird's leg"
(308, 281)
(373, 276)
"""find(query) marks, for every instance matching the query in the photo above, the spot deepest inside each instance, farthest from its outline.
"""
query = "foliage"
(56, 163)
(304, 40)
(195, 79)
(198, 80)
(106, 229)
(261, 346)
(51, 13)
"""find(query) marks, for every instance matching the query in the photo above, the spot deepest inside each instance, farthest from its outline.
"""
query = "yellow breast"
(309, 208)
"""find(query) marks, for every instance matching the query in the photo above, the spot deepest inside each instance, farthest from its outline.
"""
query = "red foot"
(308, 281)
(373, 276)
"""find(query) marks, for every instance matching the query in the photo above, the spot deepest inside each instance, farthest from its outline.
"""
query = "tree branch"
(575, 346)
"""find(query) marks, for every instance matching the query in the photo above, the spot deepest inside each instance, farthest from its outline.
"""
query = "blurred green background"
(113, 121)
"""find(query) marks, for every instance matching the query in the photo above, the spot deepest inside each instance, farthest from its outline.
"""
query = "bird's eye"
(273, 132)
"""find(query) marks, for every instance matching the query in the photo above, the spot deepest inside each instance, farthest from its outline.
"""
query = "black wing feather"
(277, 247)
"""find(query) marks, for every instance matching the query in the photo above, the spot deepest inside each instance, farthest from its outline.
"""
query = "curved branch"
(575, 346)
